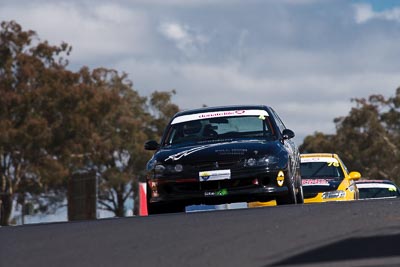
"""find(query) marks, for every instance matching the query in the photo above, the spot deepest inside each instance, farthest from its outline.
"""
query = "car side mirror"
(151, 145)
(287, 134)
(355, 175)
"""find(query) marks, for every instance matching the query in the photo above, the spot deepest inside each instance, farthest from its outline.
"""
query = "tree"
(55, 123)
(391, 119)
(319, 142)
(159, 111)
(118, 156)
(26, 70)
(365, 144)
(367, 139)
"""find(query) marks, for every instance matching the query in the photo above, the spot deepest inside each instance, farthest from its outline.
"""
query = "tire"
(300, 195)
(162, 208)
(290, 198)
(157, 208)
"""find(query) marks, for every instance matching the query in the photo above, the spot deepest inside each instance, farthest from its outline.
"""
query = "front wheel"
(290, 198)
(161, 208)
(300, 195)
(157, 208)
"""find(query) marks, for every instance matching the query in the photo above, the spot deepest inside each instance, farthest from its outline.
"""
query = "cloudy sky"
(305, 58)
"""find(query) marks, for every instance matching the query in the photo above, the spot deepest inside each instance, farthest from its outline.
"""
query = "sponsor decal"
(222, 192)
(319, 159)
(220, 114)
(280, 178)
(217, 114)
(205, 176)
(308, 182)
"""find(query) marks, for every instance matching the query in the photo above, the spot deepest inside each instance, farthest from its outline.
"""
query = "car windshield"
(321, 169)
(376, 191)
(219, 129)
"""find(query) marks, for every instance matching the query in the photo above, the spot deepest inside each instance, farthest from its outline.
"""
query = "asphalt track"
(358, 233)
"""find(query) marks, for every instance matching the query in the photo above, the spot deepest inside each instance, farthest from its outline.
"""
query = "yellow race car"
(326, 178)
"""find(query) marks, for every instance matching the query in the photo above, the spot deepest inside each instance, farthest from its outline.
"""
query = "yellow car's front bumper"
(261, 204)
(319, 198)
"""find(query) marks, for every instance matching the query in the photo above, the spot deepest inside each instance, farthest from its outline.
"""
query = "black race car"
(218, 155)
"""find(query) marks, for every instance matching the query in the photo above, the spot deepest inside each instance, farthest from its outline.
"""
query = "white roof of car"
(318, 159)
(376, 185)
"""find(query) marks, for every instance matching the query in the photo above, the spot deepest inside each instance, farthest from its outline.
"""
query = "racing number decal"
(335, 164)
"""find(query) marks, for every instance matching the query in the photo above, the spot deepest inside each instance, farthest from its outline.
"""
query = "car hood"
(232, 150)
(316, 185)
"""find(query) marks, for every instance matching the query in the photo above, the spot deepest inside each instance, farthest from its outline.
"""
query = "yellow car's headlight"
(334, 194)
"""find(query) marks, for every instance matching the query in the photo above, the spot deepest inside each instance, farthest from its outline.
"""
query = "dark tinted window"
(377, 192)
(218, 129)
(321, 169)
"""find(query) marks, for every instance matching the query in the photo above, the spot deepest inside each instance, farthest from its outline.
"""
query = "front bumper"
(192, 192)
(318, 198)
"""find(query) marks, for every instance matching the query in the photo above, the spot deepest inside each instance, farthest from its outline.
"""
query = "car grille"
(209, 185)
(241, 177)
(204, 166)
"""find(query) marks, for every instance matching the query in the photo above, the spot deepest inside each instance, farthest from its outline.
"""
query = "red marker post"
(142, 200)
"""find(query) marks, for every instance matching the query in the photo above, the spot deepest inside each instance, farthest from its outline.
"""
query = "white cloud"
(365, 12)
(213, 2)
(393, 14)
(305, 58)
(307, 103)
(185, 38)
(113, 14)
(175, 32)
(296, 2)
(95, 32)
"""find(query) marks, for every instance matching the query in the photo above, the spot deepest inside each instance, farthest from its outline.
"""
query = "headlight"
(263, 161)
(178, 168)
(160, 168)
(250, 162)
(268, 160)
(334, 194)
